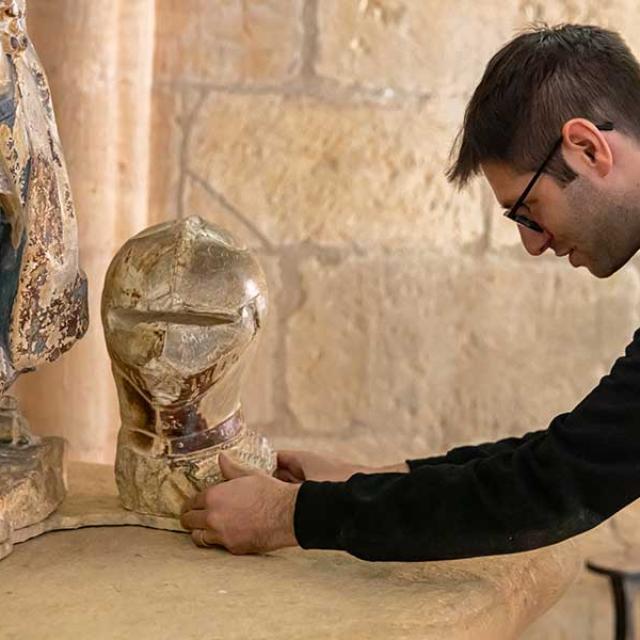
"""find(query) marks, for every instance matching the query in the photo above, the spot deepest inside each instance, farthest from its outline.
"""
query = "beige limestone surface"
(271, 33)
(127, 582)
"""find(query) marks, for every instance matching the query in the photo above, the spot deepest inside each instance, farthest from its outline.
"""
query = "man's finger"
(289, 460)
(205, 538)
(196, 502)
(286, 476)
(195, 519)
(232, 469)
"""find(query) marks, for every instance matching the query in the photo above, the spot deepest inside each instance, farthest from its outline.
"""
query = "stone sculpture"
(182, 307)
(43, 293)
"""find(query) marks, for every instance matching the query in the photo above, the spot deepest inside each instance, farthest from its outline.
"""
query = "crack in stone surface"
(309, 38)
(230, 208)
(323, 89)
(186, 124)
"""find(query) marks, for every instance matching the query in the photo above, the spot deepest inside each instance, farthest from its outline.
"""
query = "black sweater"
(513, 495)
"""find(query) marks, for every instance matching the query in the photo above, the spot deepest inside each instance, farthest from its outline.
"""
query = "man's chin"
(600, 270)
(600, 274)
(578, 260)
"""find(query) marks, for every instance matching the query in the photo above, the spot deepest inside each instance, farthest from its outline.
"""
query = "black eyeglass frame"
(523, 220)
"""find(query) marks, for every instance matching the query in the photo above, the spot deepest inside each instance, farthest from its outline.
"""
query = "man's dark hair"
(533, 85)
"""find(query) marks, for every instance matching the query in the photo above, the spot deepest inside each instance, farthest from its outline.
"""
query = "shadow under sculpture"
(43, 293)
(182, 307)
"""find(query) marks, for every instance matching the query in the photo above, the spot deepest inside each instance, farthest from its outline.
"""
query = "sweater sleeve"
(513, 496)
(461, 455)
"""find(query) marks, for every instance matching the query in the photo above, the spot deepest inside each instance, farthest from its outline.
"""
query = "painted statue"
(43, 292)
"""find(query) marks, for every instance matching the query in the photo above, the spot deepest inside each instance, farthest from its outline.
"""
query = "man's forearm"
(511, 496)
(467, 453)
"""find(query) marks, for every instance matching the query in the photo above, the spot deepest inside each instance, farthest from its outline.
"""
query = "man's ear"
(585, 149)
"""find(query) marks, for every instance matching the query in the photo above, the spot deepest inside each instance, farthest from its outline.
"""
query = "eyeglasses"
(513, 214)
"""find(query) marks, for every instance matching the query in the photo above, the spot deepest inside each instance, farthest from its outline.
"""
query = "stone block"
(358, 446)
(626, 529)
(503, 234)
(434, 47)
(584, 612)
(167, 134)
(258, 391)
(308, 170)
(619, 15)
(201, 199)
(425, 47)
(173, 109)
(228, 41)
(440, 353)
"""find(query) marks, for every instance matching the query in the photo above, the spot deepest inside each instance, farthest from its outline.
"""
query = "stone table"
(135, 582)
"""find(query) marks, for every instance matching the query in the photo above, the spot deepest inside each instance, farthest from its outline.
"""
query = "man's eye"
(523, 210)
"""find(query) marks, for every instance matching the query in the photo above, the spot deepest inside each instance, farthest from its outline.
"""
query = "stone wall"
(405, 317)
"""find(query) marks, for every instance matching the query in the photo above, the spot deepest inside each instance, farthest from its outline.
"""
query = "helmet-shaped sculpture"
(182, 307)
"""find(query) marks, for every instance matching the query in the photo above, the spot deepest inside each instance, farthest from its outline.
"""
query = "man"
(554, 126)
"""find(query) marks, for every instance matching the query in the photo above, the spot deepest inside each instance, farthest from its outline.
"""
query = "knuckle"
(210, 496)
(229, 541)
(210, 520)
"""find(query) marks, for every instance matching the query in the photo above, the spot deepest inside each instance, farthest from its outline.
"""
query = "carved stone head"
(182, 307)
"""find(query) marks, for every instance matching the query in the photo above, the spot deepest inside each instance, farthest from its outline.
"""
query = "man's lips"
(547, 244)
(561, 253)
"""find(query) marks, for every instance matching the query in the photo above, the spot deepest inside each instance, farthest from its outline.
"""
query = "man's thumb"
(231, 469)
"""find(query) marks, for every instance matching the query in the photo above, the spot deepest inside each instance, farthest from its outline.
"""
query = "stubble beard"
(605, 228)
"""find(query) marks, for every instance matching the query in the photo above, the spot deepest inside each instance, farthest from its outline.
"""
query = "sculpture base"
(92, 502)
(32, 485)
(161, 485)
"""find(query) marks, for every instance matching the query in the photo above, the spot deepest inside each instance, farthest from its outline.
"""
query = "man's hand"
(298, 466)
(251, 513)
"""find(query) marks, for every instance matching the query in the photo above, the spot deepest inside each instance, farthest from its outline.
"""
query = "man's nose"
(534, 242)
